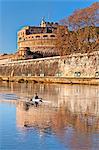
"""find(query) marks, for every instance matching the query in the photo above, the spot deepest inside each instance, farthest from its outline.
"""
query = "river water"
(68, 121)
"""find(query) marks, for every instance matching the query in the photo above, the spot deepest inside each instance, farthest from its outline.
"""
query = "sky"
(14, 14)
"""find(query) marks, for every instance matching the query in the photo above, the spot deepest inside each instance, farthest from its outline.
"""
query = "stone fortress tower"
(39, 39)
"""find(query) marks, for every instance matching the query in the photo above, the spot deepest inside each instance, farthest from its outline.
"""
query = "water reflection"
(57, 119)
(73, 129)
(72, 115)
(78, 98)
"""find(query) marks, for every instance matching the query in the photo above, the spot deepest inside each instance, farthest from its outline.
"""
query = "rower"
(36, 96)
(36, 100)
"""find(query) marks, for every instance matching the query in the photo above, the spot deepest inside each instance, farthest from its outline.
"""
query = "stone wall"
(78, 65)
(37, 41)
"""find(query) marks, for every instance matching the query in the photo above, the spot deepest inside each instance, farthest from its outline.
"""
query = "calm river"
(68, 121)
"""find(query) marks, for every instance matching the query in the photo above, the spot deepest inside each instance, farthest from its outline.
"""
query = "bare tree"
(84, 22)
(61, 40)
(82, 34)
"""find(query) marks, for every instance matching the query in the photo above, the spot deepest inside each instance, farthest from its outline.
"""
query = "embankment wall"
(78, 65)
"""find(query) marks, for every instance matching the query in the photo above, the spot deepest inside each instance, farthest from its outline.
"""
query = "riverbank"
(51, 79)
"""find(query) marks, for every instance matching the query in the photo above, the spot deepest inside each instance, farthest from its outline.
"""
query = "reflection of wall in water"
(79, 98)
(55, 119)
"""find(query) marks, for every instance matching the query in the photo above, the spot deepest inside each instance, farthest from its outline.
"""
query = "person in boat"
(36, 96)
(36, 100)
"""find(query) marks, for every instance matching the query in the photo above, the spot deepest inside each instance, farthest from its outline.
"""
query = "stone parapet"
(73, 66)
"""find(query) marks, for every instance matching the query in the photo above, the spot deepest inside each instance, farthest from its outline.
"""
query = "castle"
(38, 41)
(35, 42)
(41, 39)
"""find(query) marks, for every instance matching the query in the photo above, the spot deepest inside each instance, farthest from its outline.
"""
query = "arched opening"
(52, 35)
(45, 35)
(37, 36)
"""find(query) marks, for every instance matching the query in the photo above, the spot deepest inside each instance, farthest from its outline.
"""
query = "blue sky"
(15, 14)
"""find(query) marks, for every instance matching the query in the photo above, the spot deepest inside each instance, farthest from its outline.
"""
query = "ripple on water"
(71, 127)
(8, 96)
